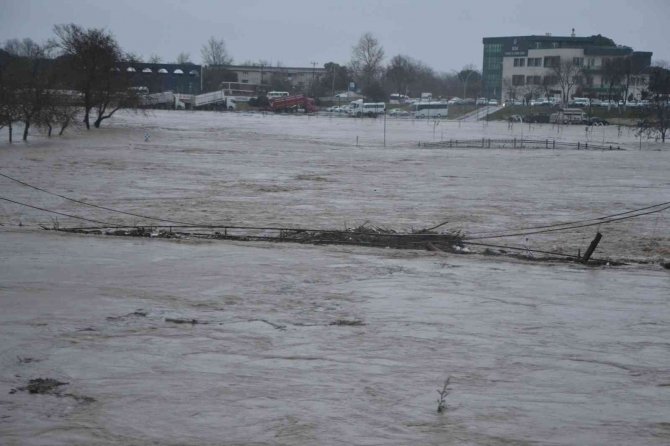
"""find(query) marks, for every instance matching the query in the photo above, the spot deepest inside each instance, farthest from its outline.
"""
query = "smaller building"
(294, 78)
(159, 77)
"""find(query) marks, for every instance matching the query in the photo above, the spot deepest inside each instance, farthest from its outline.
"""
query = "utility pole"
(313, 74)
(332, 90)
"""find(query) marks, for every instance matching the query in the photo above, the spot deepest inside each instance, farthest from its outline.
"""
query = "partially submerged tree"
(93, 55)
(27, 82)
(214, 53)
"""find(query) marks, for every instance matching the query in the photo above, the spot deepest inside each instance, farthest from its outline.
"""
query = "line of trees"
(54, 84)
(402, 74)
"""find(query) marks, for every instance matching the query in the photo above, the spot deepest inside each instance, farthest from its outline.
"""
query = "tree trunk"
(86, 111)
(97, 122)
(63, 127)
(50, 128)
(25, 129)
(10, 131)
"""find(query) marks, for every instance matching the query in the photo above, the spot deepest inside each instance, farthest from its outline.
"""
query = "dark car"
(597, 121)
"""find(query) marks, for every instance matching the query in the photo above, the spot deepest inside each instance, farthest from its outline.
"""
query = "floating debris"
(352, 323)
(181, 320)
(42, 386)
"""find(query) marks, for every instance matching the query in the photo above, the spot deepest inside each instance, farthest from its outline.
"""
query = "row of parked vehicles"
(578, 102)
(429, 109)
(564, 116)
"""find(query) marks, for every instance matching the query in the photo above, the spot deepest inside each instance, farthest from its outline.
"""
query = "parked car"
(482, 101)
(609, 104)
(398, 112)
(492, 102)
(467, 101)
(513, 102)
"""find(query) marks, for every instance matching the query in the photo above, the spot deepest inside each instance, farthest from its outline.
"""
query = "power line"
(94, 205)
(611, 220)
(574, 222)
(54, 212)
(566, 226)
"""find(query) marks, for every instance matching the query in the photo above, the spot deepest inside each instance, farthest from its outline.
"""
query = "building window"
(591, 61)
(555, 44)
(517, 80)
(538, 45)
(534, 61)
(533, 80)
(519, 62)
(550, 80)
(578, 61)
(552, 61)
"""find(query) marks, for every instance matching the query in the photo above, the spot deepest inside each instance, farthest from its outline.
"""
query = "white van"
(371, 109)
(277, 94)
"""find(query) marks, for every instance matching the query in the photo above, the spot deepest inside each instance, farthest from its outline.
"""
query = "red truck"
(293, 104)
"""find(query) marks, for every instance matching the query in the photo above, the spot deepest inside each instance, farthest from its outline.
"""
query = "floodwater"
(324, 344)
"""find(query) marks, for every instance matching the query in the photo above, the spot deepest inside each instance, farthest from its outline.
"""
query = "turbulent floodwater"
(329, 345)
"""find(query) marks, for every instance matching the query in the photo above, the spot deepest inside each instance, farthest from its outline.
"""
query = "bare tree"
(400, 72)
(183, 58)
(366, 60)
(565, 74)
(154, 58)
(509, 88)
(214, 53)
(469, 75)
(134, 57)
(28, 80)
(115, 93)
(658, 122)
(8, 106)
(613, 72)
(92, 55)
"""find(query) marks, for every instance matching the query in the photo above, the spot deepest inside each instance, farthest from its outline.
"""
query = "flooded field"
(203, 342)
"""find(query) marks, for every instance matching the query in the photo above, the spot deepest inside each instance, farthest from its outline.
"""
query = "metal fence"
(518, 143)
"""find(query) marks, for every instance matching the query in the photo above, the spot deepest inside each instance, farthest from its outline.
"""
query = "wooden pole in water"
(592, 247)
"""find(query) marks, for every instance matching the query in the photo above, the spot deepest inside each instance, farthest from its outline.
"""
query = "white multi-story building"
(546, 66)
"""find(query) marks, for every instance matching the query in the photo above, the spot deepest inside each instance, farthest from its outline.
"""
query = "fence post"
(482, 143)
(546, 143)
(586, 146)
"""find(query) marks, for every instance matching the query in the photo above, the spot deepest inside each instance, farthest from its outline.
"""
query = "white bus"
(430, 109)
(276, 94)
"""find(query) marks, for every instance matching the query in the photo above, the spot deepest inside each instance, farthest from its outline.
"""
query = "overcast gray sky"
(445, 35)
